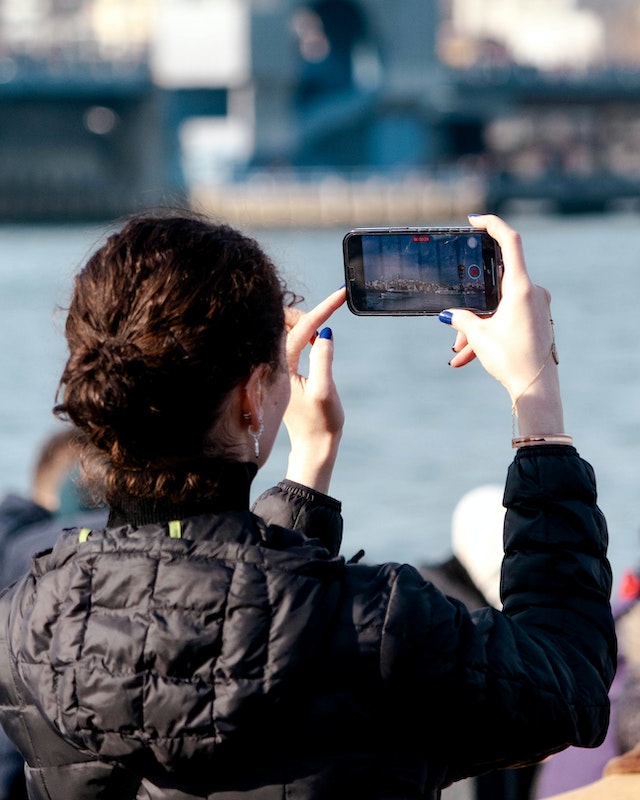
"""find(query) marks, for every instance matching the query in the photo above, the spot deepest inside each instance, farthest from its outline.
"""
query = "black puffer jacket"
(246, 659)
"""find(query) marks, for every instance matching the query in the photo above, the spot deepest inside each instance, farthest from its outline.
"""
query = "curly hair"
(166, 318)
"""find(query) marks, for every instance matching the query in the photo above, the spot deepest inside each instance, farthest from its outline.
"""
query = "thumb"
(321, 362)
(460, 319)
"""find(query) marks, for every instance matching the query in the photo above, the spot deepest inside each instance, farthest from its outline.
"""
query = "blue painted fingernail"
(474, 215)
(443, 316)
(326, 333)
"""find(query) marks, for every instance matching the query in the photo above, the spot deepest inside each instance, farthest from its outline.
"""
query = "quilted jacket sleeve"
(302, 509)
(504, 688)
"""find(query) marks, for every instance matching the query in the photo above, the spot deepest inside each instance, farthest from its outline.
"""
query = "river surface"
(418, 434)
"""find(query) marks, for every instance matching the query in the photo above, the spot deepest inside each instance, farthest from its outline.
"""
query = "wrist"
(539, 410)
(313, 466)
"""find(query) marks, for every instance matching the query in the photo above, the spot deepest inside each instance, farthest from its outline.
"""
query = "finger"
(510, 244)
(291, 316)
(463, 357)
(465, 322)
(460, 342)
(547, 294)
(306, 325)
(463, 351)
(321, 313)
(320, 378)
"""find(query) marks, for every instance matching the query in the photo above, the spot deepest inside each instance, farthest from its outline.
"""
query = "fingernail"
(326, 333)
(473, 215)
(443, 316)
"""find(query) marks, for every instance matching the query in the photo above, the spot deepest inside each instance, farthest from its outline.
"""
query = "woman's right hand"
(314, 417)
(515, 343)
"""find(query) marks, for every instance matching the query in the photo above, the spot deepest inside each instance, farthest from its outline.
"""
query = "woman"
(197, 648)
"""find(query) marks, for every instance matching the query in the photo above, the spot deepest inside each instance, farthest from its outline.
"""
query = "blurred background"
(299, 120)
(289, 112)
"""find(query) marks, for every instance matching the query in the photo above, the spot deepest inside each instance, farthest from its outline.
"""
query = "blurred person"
(574, 768)
(32, 523)
(620, 776)
(49, 472)
(620, 781)
(29, 524)
(472, 574)
(197, 648)
(55, 466)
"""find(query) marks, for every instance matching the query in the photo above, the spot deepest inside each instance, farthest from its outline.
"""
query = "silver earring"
(256, 438)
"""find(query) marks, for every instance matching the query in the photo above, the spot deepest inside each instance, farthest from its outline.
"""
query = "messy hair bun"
(165, 319)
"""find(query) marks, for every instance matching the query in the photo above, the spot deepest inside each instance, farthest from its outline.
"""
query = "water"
(418, 434)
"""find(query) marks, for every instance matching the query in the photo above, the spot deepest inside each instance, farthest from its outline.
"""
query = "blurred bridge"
(84, 137)
(91, 140)
(573, 138)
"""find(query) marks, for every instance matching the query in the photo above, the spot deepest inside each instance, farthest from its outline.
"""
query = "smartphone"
(410, 271)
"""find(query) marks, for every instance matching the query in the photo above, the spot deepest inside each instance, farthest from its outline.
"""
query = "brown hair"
(169, 315)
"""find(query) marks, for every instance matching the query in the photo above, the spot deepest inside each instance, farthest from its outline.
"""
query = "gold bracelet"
(541, 438)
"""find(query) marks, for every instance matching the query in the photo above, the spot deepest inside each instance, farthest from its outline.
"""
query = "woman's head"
(169, 316)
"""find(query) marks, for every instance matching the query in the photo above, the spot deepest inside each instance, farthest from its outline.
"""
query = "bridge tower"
(387, 117)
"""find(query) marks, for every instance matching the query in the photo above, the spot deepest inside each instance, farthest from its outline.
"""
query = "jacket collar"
(231, 484)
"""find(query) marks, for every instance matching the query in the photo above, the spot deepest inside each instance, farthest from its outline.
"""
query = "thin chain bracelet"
(553, 353)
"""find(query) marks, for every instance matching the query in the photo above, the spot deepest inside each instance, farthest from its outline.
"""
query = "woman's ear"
(253, 395)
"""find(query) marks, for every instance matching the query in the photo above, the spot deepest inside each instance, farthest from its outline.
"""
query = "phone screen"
(421, 271)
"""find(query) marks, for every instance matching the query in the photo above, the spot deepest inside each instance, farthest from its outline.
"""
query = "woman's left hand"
(314, 417)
